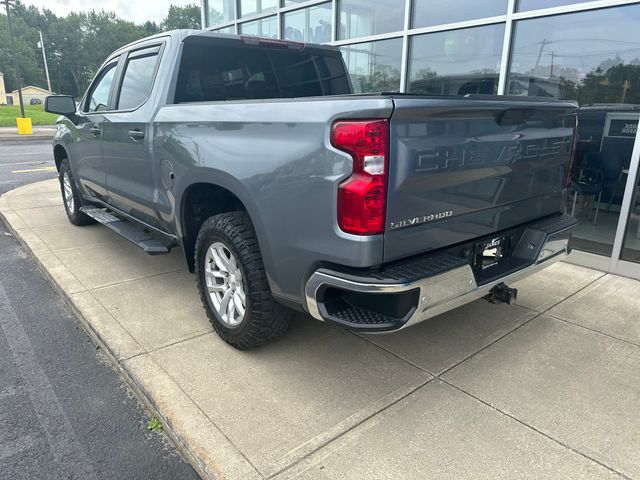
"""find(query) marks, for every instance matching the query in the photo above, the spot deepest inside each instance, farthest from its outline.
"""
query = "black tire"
(264, 319)
(72, 208)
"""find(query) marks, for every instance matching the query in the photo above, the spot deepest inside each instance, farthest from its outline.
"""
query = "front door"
(127, 138)
(87, 156)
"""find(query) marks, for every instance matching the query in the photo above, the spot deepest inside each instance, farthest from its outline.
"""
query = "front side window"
(98, 99)
(138, 79)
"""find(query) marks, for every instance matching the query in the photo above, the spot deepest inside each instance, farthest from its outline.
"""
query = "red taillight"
(362, 198)
(574, 154)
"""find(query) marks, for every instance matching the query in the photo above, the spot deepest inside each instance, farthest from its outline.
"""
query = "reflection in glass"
(309, 25)
(374, 66)
(265, 27)
(589, 57)
(427, 13)
(251, 7)
(524, 5)
(220, 11)
(359, 18)
(456, 62)
(230, 29)
(631, 245)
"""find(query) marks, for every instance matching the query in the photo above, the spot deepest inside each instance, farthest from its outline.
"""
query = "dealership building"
(583, 51)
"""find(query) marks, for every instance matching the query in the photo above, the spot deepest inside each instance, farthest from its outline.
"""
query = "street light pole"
(7, 3)
(44, 58)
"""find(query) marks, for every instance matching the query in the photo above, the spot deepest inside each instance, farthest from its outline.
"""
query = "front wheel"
(233, 284)
(71, 196)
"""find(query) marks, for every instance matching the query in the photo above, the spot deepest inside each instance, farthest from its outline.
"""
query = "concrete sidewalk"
(546, 389)
(42, 132)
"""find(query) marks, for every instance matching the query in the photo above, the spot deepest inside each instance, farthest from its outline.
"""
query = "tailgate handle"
(136, 135)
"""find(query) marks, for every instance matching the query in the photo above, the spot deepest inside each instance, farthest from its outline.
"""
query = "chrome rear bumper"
(437, 294)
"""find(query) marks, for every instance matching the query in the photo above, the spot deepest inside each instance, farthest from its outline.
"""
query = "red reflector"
(362, 198)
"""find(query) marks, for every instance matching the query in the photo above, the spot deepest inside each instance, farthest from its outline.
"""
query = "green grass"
(36, 113)
(154, 425)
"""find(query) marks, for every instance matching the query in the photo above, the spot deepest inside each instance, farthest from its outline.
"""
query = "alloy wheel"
(68, 193)
(225, 284)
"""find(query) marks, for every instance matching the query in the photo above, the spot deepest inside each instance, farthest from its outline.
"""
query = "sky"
(138, 11)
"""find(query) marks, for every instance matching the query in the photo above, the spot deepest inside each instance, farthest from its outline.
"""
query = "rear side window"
(138, 78)
(210, 72)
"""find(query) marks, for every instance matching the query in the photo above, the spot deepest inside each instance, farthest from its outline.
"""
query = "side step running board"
(130, 230)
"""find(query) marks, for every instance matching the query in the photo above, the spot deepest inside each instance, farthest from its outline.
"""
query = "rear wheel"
(233, 284)
(71, 196)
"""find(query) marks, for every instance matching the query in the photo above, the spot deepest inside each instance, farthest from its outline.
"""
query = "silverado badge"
(394, 225)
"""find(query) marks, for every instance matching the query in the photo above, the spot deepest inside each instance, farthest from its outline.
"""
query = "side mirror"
(60, 104)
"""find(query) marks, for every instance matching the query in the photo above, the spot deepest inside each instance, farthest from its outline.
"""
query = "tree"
(619, 83)
(28, 62)
(182, 17)
(75, 45)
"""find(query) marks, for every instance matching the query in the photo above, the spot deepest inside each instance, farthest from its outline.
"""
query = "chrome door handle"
(136, 135)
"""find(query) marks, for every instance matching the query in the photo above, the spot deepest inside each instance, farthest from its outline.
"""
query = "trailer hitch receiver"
(502, 294)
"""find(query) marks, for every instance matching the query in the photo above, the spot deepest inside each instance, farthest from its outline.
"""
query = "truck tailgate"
(465, 168)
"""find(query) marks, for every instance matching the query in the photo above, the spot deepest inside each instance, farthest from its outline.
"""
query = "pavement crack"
(537, 430)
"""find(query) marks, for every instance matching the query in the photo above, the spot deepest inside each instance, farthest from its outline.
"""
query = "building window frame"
(614, 263)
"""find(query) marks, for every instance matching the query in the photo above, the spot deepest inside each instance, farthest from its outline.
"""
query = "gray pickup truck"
(286, 191)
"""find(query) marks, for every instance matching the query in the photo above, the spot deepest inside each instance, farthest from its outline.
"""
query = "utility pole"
(544, 42)
(7, 3)
(44, 58)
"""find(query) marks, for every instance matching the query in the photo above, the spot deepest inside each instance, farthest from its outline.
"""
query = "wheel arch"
(59, 154)
(201, 200)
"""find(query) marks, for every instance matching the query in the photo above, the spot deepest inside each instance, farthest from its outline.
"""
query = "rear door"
(462, 168)
(126, 137)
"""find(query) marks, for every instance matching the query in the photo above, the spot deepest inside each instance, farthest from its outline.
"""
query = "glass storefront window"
(265, 27)
(427, 13)
(456, 62)
(219, 11)
(230, 29)
(524, 5)
(631, 245)
(252, 7)
(374, 66)
(311, 24)
(360, 18)
(589, 57)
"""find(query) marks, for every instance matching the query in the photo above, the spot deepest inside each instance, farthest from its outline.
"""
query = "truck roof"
(185, 34)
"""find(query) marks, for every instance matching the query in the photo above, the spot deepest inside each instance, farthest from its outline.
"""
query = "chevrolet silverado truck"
(287, 191)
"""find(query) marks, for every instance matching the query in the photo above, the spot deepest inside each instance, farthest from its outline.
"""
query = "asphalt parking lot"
(548, 388)
(64, 411)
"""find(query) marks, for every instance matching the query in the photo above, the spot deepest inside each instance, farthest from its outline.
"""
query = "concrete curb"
(25, 138)
(201, 462)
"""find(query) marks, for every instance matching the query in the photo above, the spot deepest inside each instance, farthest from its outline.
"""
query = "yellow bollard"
(24, 126)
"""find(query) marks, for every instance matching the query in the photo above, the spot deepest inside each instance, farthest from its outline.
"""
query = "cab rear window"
(212, 71)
